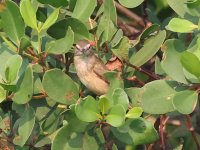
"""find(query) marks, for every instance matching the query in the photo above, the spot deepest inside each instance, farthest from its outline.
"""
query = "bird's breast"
(89, 78)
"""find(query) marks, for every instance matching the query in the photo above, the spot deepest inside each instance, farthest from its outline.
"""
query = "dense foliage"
(154, 45)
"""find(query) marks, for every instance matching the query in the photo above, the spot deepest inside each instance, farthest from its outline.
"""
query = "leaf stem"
(39, 42)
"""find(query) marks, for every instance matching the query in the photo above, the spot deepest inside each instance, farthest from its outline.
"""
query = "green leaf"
(120, 97)
(75, 124)
(66, 139)
(149, 49)
(185, 101)
(46, 140)
(104, 105)
(58, 30)
(57, 3)
(158, 67)
(193, 8)
(136, 132)
(28, 13)
(24, 43)
(25, 91)
(135, 95)
(179, 6)
(134, 112)
(117, 38)
(115, 82)
(116, 116)
(191, 63)
(12, 22)
(84, 9)
(62, 45)
(131, 3)
(110, 10)
(26, 124)
(172, 52)
(2, 94)
(90, 142)
(60, 87)
(185, 27)
(11, 68)
(105, 30)
(157, 97)
(88, 110)
(50, 20)
(121, 50)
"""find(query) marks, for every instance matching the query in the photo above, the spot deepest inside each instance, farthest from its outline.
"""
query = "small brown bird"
(90, 69)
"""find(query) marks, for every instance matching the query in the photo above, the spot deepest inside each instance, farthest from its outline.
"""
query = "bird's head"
(84, 48)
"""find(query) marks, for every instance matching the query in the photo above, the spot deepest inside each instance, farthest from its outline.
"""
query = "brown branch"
(136, 80)
(129, 14)
(30, 51)
(150, 74)
(39, 96)
(145, 15)
(163, 121)
(191, 129)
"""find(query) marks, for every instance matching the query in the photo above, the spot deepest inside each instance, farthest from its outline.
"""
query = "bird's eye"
(87, 47)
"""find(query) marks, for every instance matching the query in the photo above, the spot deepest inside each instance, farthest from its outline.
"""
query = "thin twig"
(31, 51)
(145, 15)
(129, 14)
(39, 96)
(191, 129)
(163, 121)
(135, 79)
(150, 74)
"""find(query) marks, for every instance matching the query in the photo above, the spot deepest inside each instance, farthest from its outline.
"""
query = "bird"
(90, 69)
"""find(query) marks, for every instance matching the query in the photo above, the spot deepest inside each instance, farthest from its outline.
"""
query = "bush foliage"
(154, 105)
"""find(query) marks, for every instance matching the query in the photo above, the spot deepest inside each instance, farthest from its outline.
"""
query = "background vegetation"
(153, 106)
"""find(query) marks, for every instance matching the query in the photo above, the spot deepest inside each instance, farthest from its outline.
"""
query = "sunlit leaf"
(28, 13)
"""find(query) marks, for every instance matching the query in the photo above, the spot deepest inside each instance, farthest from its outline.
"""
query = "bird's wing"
(99, 69)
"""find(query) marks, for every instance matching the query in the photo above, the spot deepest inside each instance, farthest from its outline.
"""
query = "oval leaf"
(12, 22)
(60, 87)
(88, 110)
(28, 13)
(110, 10)
(51, 19)
(120, 97)
(172, 52)
(157, 97)
(25, 91)
(135, 112)
(185, 27)
(151, 46)
(26, 124)
(62, 45)
(116, 117)
(11, 69)
(66, 139)
(84, 9)
(131, 3)
(191, 63)
(185, 101)
(58, 30)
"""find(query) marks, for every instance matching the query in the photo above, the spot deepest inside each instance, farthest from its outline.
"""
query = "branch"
(136, 80)
(191, 129)
(150, 74)
(129, 14)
